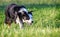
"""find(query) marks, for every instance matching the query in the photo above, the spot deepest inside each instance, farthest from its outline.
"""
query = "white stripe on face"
(30, 16)
(23, 9)
(30, 20)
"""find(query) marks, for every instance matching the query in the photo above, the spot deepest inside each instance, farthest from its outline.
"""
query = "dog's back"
(9, 13)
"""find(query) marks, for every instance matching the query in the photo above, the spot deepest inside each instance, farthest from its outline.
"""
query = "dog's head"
(26, 16)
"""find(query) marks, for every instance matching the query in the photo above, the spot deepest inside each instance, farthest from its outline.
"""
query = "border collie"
(17, 14)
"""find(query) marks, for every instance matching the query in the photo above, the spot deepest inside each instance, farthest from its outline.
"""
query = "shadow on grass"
(38, 6)
(32, 6)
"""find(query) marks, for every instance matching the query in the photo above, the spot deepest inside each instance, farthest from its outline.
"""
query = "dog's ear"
(30, 12)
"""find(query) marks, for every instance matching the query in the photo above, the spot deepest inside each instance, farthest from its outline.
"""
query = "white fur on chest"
(17, 20)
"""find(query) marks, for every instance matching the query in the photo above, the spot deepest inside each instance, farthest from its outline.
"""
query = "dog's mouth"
(29, 22)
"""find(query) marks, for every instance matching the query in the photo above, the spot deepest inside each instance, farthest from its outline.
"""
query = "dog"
(17, 14)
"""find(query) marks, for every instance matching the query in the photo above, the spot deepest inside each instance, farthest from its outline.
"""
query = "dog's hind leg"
(8, 21)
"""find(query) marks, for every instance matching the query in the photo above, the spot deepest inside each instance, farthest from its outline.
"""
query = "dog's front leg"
(21, 24)
(19, 21)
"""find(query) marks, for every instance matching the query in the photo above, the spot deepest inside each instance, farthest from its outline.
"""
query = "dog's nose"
(32, 21)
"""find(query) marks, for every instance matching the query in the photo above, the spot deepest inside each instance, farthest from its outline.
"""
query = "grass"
(46, 16)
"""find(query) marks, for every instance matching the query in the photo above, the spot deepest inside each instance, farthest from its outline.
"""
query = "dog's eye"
(24, 15)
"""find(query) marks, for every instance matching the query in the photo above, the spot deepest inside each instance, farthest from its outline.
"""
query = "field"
(46, 21)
